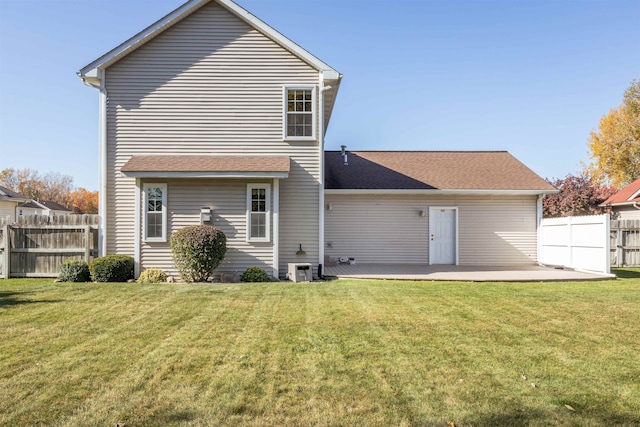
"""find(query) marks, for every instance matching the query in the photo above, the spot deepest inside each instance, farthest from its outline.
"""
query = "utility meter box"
(300, 272)
(205, 215)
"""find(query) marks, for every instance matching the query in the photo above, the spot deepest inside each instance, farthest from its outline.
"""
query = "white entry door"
(442, 236)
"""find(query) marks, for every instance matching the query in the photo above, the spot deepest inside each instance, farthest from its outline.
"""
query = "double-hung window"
(299, 112)
(258, 211)
(155, 212)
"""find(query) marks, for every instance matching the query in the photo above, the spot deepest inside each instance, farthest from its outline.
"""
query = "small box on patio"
(300, 272)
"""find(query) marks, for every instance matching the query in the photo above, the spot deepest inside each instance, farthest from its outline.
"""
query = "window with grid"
(258, 207)
(155, 215)
(299, 113)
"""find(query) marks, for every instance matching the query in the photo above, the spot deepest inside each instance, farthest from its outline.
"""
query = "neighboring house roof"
(431, 170)
(31, 204)
(207, 166)
(6, 194)
(43, 204)
(627, 196)
(53, 206)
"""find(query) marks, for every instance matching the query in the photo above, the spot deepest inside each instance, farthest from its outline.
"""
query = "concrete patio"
(517, 273)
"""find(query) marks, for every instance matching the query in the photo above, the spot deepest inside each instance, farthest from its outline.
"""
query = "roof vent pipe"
(343, 150)
(346, 162)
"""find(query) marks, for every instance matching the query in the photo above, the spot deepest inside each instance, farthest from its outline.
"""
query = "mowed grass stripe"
(334, 353)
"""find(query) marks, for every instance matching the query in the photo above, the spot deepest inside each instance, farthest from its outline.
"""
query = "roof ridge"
(419, 151)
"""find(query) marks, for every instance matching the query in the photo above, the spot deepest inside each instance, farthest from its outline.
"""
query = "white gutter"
(635, 205)
(459, 192)
(102, 157)
(255, 175)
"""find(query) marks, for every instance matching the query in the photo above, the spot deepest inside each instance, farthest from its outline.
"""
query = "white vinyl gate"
(578, 242)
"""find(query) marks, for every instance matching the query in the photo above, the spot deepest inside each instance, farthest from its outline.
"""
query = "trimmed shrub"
(198, 250)
(112, 268)
(152, 275)
(74, 271)
(255, 274)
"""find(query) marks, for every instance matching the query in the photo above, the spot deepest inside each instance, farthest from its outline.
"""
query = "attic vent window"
(299, 113)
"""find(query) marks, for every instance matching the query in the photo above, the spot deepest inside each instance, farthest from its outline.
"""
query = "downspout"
(321, 178)
(102, 158)
(321, 172)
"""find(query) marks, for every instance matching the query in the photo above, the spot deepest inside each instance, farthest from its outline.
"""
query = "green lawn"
(335, 353)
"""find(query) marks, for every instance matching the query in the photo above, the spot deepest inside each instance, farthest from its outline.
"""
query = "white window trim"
(313, 113)
(267, 193)
(164, 212)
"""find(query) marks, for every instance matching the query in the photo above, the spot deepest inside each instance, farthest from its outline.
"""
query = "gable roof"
(456, 171)
(90, 71)
(6, 194)
(43, 204)
(32, 204)
(627, 196)
(53, 206)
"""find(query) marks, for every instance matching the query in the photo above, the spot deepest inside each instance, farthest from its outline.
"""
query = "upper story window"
(300, 111)
(258, 210)
(155, 212)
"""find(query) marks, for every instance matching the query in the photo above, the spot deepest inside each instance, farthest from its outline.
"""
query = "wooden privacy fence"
(625, 243)
(36, 246)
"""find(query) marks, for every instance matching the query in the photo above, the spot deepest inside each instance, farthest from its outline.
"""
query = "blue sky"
(532, 78)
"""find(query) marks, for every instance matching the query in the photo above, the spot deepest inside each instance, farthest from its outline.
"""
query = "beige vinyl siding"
(227, 200)
(627, 212)
(387, 229)
(8, 209)
(210, 85)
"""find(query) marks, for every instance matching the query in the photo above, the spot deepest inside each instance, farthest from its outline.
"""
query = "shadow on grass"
(525, 417)
(626, 273)
(9, 299)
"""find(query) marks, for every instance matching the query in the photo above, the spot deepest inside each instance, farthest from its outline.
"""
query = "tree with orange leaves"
(615, 147)
(84, 201)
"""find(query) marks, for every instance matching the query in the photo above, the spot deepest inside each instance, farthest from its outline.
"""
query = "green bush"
(152, 275)
(112, 268)
(197, 250)
(255, 274)
(74, 271)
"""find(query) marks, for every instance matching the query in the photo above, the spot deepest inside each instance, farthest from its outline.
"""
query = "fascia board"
(634, 195)
(327, 119)
(446, 192)
(604, 205)
(254, 175)
(14, 199)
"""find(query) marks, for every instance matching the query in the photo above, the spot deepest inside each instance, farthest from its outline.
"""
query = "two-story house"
(210, 113)
(211, 116)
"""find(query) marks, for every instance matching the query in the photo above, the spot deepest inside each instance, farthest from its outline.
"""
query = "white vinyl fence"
(578, 242)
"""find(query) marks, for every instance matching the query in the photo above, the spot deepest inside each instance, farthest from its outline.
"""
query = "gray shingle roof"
(9, 193)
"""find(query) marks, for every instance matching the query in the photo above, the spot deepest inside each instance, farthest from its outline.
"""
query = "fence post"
(6, 254)
(87, 244)
(619, 247)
